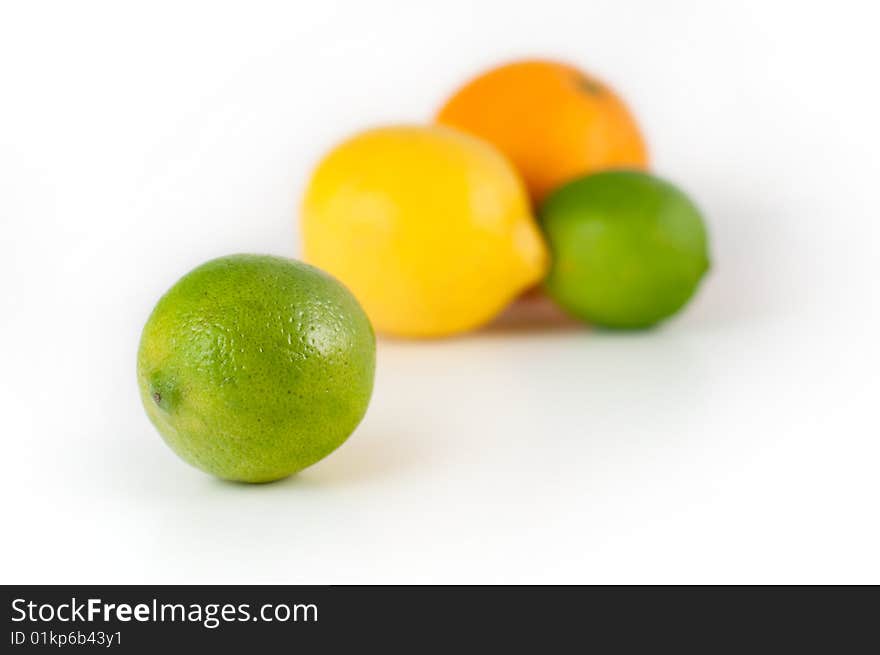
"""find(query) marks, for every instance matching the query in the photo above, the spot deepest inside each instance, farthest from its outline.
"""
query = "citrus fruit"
(254, 367)
(628, 248)
(429, 227)
(553, 121)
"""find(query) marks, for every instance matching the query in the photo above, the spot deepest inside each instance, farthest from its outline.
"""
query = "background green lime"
(255, 367)
(628, 248)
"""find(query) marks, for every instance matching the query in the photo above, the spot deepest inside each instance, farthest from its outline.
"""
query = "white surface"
(739, 443)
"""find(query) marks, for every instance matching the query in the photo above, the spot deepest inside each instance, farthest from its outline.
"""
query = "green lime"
(254, 367)
(629, 249)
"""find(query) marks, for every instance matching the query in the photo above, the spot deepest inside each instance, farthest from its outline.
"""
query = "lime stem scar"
(157, 397)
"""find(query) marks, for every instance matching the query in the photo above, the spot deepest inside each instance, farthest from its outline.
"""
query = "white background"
(738, 443)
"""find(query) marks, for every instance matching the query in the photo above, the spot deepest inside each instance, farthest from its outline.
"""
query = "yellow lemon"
(429, 227)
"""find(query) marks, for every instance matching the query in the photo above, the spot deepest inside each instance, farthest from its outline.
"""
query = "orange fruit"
(553, 121)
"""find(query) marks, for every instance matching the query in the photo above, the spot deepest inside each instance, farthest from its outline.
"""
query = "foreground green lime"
(255, 367)
(628, 248)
